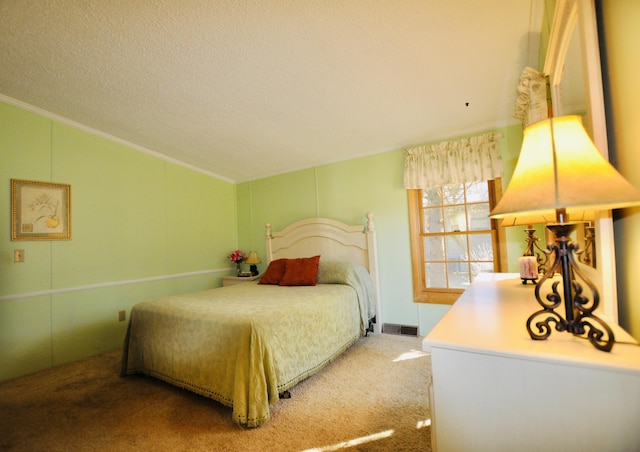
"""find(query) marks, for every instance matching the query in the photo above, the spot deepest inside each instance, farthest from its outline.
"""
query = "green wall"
(346, 191)
(144, 228)
(620, 20)
(141, 228)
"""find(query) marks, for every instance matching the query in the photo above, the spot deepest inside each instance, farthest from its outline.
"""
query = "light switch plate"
(18, 255)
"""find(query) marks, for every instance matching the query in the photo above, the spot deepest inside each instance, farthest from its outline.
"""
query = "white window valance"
(452, 162)
(532, 104)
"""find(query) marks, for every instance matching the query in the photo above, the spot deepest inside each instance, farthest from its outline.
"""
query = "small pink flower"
(237, 256)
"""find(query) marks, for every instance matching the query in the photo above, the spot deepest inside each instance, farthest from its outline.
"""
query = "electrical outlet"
(122, 316)
(18, 255)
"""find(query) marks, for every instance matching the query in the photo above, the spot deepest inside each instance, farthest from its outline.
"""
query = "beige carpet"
(374, 397)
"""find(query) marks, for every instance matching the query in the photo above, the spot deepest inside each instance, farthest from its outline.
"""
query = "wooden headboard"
(333, 241)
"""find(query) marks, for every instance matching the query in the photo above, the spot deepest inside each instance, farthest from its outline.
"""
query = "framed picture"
(40, 210)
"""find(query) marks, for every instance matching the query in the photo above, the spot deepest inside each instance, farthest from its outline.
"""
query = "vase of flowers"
(238, 257)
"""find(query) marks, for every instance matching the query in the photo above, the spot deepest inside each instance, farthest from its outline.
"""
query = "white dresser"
(495, 389)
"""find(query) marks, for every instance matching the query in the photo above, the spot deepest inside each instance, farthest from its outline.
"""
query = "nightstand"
(231, 280)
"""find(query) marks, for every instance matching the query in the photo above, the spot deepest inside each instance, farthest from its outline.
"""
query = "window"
(452, 238)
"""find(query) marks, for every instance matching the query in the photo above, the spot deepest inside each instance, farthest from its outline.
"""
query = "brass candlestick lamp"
(533, 248)
(560, 171)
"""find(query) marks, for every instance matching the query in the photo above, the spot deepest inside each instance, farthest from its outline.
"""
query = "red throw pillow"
(274, 273)
(301, 272)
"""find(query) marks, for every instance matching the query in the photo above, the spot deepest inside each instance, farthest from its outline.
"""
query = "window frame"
(423, 294)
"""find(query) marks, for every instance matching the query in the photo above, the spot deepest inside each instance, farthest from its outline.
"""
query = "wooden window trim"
(446, 296)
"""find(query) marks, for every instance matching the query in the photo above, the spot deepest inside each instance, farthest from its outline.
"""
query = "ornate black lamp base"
(253, 268)
(579, 318)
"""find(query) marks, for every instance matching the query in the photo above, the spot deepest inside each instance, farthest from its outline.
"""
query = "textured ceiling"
(244, 89)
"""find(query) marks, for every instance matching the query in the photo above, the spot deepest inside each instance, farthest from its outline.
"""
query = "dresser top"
(490, 318)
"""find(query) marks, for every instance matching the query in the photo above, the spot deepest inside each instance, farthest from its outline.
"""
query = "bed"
(247, 344)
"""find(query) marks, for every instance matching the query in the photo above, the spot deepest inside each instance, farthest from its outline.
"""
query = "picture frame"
(40, 210)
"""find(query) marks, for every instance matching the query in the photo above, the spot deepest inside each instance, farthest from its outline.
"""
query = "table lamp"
(560, 171)
(534, 255)
(534, 259)
(253, 260)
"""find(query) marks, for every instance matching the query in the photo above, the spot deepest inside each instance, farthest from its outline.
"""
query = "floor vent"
(393, 328)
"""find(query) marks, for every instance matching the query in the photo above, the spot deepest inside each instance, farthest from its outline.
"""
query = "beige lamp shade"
(253, 258)
(560, 168)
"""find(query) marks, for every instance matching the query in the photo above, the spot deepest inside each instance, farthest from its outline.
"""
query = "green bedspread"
(243, 345)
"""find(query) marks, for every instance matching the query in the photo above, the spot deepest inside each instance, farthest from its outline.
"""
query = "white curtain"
(452, 162)
(532, 104)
